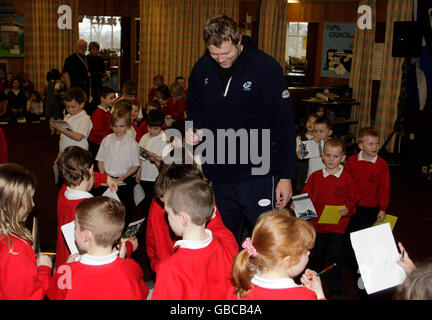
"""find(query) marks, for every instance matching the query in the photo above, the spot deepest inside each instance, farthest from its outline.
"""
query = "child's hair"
(164, 91)
(104, 217)
(193, 196)
(179, 78)
(129, 88)
(179, 125)
(169, 173)
(275, 236)
(156, 118)
(135, 102)
(105, 91)
(123, 104)
(37, 96)
(158, 77)
(74, 165)
(77, 94)
(16, 187)
(335, 142)
(119, 114)
(302, 133)
(418, 284)
(53, 74)
(177, 90)
(367, 132)
(153, 103)
(324, 120)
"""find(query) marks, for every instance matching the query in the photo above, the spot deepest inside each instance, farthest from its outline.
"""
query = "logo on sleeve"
(285, 94)
(205, 81)
(247, 86)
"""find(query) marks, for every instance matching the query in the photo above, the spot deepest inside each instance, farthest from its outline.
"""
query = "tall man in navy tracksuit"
(239, 90)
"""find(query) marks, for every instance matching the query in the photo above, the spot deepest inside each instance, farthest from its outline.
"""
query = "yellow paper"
(331, 214)
(390, 219)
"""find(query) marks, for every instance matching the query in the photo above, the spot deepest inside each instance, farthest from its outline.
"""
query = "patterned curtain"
(397, 10)
(46, 45)
(171, 37)
(272, 29)
(361, 71)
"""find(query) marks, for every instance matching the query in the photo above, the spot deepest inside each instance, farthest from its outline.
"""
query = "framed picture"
(3, 68)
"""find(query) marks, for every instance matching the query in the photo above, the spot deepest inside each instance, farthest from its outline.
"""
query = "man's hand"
(283, 193)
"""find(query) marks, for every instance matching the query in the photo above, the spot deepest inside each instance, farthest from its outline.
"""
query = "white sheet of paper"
(109, 193)
(68, 230)
(138, 193)
(376, 253)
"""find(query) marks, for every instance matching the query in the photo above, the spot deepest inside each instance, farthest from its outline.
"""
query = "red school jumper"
(372, 181)
(65, 214)
(20, 277)
(121, 279)
(325, 189)
(101, 125)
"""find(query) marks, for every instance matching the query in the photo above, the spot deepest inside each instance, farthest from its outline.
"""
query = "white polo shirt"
(80, 123)
(149, 171)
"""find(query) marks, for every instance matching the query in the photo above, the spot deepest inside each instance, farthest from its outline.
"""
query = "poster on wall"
(337, 53)
(11, 36)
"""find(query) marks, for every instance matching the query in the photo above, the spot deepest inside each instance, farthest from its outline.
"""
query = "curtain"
(397, 10)
(361, 70)
(47, 46)
(272, 29)
(171, 37)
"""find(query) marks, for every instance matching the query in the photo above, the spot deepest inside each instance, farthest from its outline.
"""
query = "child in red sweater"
(331, 186)
(371, 175)
(101, 119)
(100, 274)
(277, 252)
(76, 167)
(200, 268)
(23, 275)
(176, 104)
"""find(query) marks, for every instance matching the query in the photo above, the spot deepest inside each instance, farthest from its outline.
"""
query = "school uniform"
(80, 123)
(67, 201)
(278, 289)
(330, 189)
(101, 124)
(99, 278)
(176, 108)
(20, 277)
(198, 270)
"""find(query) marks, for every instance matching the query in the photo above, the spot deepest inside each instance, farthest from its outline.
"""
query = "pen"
(326, 269)
(403, 253)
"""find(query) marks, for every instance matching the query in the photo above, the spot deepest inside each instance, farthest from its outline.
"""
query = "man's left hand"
(283, 193)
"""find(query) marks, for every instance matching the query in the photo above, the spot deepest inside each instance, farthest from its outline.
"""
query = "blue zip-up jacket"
(256, 98)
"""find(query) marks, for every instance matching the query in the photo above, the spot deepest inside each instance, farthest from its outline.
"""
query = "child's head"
(76, 165)
(417, 285)
(323, 128)
(320, 111)
(158, 80)
(135, 109)
(99, 222)
(155, 122)
(368, 142)
(17, 187)
(177, 91)
(170, 173)
(280, 243)
(15, 83)
(75, 100)
(129, 89)
(310, 123)
(107, 96)
(53, 74)
(123, 104)
(152, 105)
(162, 92)
(10, 76)
(188, 202)
(333, 153)
(181, 80)
(35, 96)
(120, 121)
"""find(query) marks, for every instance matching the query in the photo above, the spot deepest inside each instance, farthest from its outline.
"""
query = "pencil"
(326, 269)
(49, 253)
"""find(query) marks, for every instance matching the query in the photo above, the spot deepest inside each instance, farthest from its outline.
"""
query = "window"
(296, 41)
(102, 29)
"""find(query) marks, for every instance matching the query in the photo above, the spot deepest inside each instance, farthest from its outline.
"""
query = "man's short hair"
(219, 29)
(118, 114)
(367, 132)
(104, 217)
(193, 196)
(156, 118)
(77, 94)
(324, 120)
(74, 165)
(335, 142)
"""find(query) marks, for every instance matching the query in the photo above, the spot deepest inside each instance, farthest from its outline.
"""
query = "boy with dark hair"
(100, 119)
(76, 167)
(200, 269)
(100, 274)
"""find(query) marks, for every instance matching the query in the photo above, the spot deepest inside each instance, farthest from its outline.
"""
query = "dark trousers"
(240, 204)
(327, 250)
(125, 194)
(148, 187)
(94, 148)
(301, 174)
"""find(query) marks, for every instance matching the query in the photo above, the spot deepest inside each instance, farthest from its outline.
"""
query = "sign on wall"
(337, 53)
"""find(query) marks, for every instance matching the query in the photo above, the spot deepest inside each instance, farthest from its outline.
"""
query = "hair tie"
(247, 244)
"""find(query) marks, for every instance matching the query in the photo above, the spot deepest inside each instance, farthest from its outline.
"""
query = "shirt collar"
(103, 108)
(195, 244)
(99, 261)
(337, 175)
(281, 283)
(71, 194)
(360, 157)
